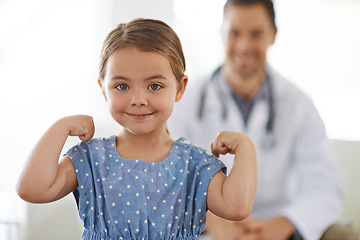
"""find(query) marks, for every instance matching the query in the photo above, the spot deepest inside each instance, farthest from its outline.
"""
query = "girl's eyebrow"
(119, 77)
(157, 76)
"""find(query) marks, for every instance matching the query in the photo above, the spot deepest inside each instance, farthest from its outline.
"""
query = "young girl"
(140, 184)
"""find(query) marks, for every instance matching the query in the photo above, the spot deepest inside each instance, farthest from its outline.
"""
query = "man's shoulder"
(284, 87)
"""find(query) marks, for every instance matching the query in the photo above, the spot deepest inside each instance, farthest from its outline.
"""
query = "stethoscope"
(268, 140)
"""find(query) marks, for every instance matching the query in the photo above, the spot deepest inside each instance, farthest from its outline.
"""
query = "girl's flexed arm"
(45, 178)
(232, 197)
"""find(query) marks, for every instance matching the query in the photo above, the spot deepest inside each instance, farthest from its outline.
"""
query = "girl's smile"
(139, 116)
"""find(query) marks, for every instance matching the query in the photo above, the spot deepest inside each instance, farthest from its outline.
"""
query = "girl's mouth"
(139, 116)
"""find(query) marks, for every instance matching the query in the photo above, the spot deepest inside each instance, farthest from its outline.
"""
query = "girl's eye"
(154, 86)
(122, 86)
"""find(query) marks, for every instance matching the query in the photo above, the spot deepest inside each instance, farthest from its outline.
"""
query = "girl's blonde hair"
(147, 35)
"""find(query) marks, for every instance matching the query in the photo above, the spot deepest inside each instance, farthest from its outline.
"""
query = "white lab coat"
(297, 177)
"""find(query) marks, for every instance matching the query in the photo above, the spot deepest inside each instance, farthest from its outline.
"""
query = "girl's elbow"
(241, 212)
(239, 215)
(22, 192)
(27, 194)
(233, 211)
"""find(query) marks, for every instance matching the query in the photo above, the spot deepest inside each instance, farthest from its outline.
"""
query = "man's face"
(247, 32)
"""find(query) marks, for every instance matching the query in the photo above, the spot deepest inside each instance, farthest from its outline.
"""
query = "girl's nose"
(138, 98)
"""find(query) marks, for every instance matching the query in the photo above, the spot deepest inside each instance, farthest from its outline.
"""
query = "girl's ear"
(181, 88)
(102, 88)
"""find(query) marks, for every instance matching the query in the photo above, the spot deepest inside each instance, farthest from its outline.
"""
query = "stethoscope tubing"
(269, 139)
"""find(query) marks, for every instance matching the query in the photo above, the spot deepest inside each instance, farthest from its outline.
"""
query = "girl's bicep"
(214, 200)
(65, 181)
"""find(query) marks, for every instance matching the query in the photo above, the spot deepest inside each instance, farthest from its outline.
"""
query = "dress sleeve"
(205, 166)
(79, 156)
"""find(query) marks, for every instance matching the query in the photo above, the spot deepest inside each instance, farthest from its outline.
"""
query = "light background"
(49, 54)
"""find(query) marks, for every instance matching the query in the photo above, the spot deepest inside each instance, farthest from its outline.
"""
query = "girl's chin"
(139, 131)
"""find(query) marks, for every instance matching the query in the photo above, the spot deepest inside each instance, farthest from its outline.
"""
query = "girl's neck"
(152, 147)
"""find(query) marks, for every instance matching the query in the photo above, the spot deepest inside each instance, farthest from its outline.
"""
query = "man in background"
(300, 193)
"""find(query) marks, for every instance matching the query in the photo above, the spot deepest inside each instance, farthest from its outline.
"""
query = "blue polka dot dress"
(132, 199)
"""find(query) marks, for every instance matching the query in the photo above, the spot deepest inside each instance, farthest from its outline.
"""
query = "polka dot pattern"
(132, 199)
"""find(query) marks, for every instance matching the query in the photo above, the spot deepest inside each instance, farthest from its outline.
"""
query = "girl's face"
(140, 89)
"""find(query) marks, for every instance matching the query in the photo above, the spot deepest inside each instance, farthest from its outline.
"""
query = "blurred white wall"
(347, 154)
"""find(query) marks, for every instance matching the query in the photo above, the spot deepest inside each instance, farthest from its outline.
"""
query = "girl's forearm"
(41, 166)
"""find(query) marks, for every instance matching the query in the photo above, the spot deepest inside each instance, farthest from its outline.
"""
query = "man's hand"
(277, 228)
(222, 229)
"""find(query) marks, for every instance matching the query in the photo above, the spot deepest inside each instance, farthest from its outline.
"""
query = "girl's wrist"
(242, 142)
